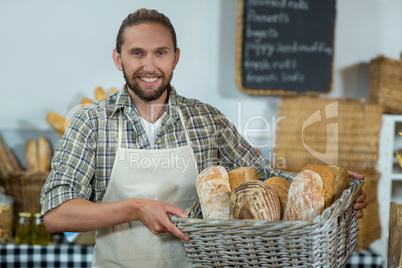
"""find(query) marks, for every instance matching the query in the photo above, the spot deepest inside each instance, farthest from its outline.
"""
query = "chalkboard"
(285, 47)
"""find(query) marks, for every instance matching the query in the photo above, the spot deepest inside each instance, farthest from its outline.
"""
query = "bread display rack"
(326, 241)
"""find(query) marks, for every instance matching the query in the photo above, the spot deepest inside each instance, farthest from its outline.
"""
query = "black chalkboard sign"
(285, 47)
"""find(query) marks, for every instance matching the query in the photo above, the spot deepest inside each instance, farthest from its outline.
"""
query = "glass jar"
(39, 235)
(6, 218)
(23, 228)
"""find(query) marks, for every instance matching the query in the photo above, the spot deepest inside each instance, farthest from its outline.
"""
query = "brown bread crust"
(255, 200)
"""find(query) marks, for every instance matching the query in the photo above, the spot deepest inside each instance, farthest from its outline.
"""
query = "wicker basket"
(327, 241)
(386, 83)
(25, 188)
(369, 225)
(343, 132)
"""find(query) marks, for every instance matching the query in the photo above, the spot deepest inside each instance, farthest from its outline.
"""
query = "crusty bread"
(100, 94)
(342, 181)
(335, 179)
(85, 102)
(306, 198)
(7, 158)
(44, 153)
(31, 155)
(328, 178)
(255, 200)
(213, 189)
(241, 174)
(281, 186)
(113, 90)
(57, 122)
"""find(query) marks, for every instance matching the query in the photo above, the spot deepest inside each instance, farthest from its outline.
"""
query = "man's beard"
(142, 94)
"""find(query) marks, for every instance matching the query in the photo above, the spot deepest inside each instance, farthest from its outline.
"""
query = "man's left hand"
(360, 202)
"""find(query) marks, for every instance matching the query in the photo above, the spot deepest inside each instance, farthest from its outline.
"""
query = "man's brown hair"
(145, 16)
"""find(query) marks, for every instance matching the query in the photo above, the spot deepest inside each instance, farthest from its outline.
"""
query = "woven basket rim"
(221, 246)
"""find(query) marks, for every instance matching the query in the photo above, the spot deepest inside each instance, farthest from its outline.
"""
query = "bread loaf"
(306, 198)
(85, 102)
(281, 186)
(342, 181)
(335, 181)
(214, 192)
(57, 122)
(113, 90)
(242, 174)
(44, 154)
(99, 93)
(255, 200)
(31, 155)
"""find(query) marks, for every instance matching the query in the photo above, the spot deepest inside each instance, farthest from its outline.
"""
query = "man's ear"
(177, 56)
(117, 60)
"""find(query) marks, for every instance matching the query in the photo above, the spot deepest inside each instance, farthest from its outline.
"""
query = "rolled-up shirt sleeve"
(73, 165)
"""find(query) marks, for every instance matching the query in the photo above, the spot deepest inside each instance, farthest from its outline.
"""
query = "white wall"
(56, 52)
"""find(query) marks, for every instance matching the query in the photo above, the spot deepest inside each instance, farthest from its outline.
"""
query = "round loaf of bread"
(281, 186)
(242, 174)
(255, 200)
(306, 198)
(213, 189)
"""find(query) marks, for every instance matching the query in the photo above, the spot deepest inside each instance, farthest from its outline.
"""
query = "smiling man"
(126, 163)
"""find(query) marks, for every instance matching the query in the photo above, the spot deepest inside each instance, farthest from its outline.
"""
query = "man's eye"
(161, 53)
(136, 53)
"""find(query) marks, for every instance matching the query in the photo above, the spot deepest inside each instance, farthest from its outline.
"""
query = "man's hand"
(360, 202)
(155, 216)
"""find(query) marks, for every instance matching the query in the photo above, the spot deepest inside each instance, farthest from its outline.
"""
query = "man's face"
(147, 60)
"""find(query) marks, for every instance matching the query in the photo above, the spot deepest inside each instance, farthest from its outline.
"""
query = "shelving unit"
(390, 183)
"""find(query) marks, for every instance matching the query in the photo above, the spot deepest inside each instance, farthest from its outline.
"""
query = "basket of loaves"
(25, 185)
(242, 221)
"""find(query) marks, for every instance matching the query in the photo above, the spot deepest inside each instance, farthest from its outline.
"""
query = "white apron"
(166, 175)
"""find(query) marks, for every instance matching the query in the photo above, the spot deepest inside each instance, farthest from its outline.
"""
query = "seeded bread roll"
(306, 198)
(255, 200)
(335, 180)
(281, 187)
(242, 174)
(31, 155)
(214, 192)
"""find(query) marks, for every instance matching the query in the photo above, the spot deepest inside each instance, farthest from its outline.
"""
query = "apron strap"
(184, 126)
(119, 135)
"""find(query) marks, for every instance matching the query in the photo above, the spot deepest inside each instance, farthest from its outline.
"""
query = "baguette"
(31, 156)
(242, 174)
(281, 186)
(100, 94)
(255, 200)
(113, 91)
(213, 189)
(8, 162)
(85, 102)
(306, 198)
(57, 122)
(5, 164)
(44, 154)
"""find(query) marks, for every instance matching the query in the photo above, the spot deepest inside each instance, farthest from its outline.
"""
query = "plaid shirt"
(83, 160)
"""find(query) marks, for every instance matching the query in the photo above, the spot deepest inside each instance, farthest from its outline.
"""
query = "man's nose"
(149, 64)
